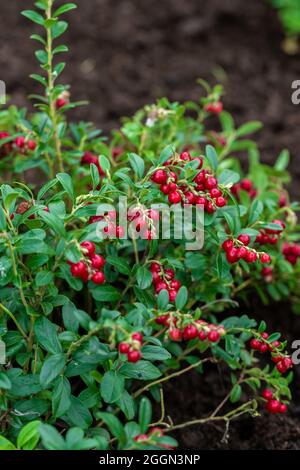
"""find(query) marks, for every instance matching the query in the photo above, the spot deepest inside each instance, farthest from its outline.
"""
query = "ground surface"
(125, 53)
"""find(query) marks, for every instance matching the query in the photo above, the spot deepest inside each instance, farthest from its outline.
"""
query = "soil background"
(126, 53)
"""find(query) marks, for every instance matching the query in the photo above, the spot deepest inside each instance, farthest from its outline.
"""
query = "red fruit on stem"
(98, 278)
(89, 247)
(97, 261)
(227, 245)
(210, 209)
(133, 355)
(244, 238)
(159, 176)
(251, 257)
(172, 295)
(213, 336)
(124, 348)
(155, 267)
(232, 255)
(137, 336)
(202, 335)
(273, 406)
(221, 201)
(246, 184)
(169, 274)
(282, 408)
(79, 270)
(160, 286)
(175, 334)
(242, 252)
(31, 145)
(175, 284)
(211, 182)
(215, 192)
(190, 332)
(267, 394)
(185, 156)
(255, 344)
(174, 197)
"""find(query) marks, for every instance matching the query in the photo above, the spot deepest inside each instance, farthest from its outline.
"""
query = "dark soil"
(126, 53)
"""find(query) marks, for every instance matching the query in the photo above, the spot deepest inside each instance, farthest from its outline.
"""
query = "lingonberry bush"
(99, 311)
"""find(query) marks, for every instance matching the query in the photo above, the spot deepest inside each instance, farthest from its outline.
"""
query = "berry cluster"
(111, 230)
(132, 347)
(178, 330)
(203, 191)
(237, 249)
(91, 268)
(215, 107)
(88, 158)
(144, 221)
(270, 236)
(163, 279)
(282, 361)
(244, 185)
(291, 252)
(273, 406)
(21, 144)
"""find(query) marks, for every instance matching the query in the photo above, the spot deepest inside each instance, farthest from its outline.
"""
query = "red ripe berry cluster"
(111, 230)
(270, 236)
(132, 347)
(197, 329)
(244, 185)
(291, 252)
(20, 144)
(204, 190)
(215, 107)
(144, 221)
(282, 361)
(88, 158)
(163, 279)
(238, 249)
(273, 406)
(91, 268)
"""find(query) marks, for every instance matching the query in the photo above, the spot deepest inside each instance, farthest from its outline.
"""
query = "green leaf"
(181, 298)
(145, 414)
(67, 184)
(29, 436)
(283, 160)
(43, 278)
(106, 293)
(51, 438)
(163, 299)
(142, 370)
(115, 426)
(256, 210)
(166, 153)
(212, 157)
(5, 383)
(51, 368)
(46, 335)
(5, 444)
(248, 128)
(59, 28)
(64, 9)
(112, 386)
(127, 405)
(95, 176)
(228, 178)
(78, 414)
(137, 164)
(104, 163)
(61, 397)
(155, 353)
(120, 264)
(235, 393)
(143, 277)
(33, 16)
(54, 222)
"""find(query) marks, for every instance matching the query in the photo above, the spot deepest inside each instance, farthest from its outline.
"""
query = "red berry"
(189, 197)
(267, 394)
(255, 344)
(263, 348)
(98, 278)
(20, 142)
(276, 359)
(282, 408)
(215, 192)
(242, 252)
(79, 269)
(175, 334)
(155, 267)
(124, 348)
(211, 182)
(162, 320)
(227, 245)
(185, 156)
(213, 336)
(174, 197)
(97, 261)
(201, 201)
(89, 247)
(159, 176)
(190, 332)
(246, 184)
(31, 145)
(210, 209)
(172, 295)
(251, 257)
(60, 103)
(165, 188)
(232, 255)
(221, 201)
(281, 367)
(137, 336)
(202, 335)
(287, 362)
(273, 406)
(161, 285)
(244, 238)
(175, 284)
(133, 355)
(265, 335)
(169, 273)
